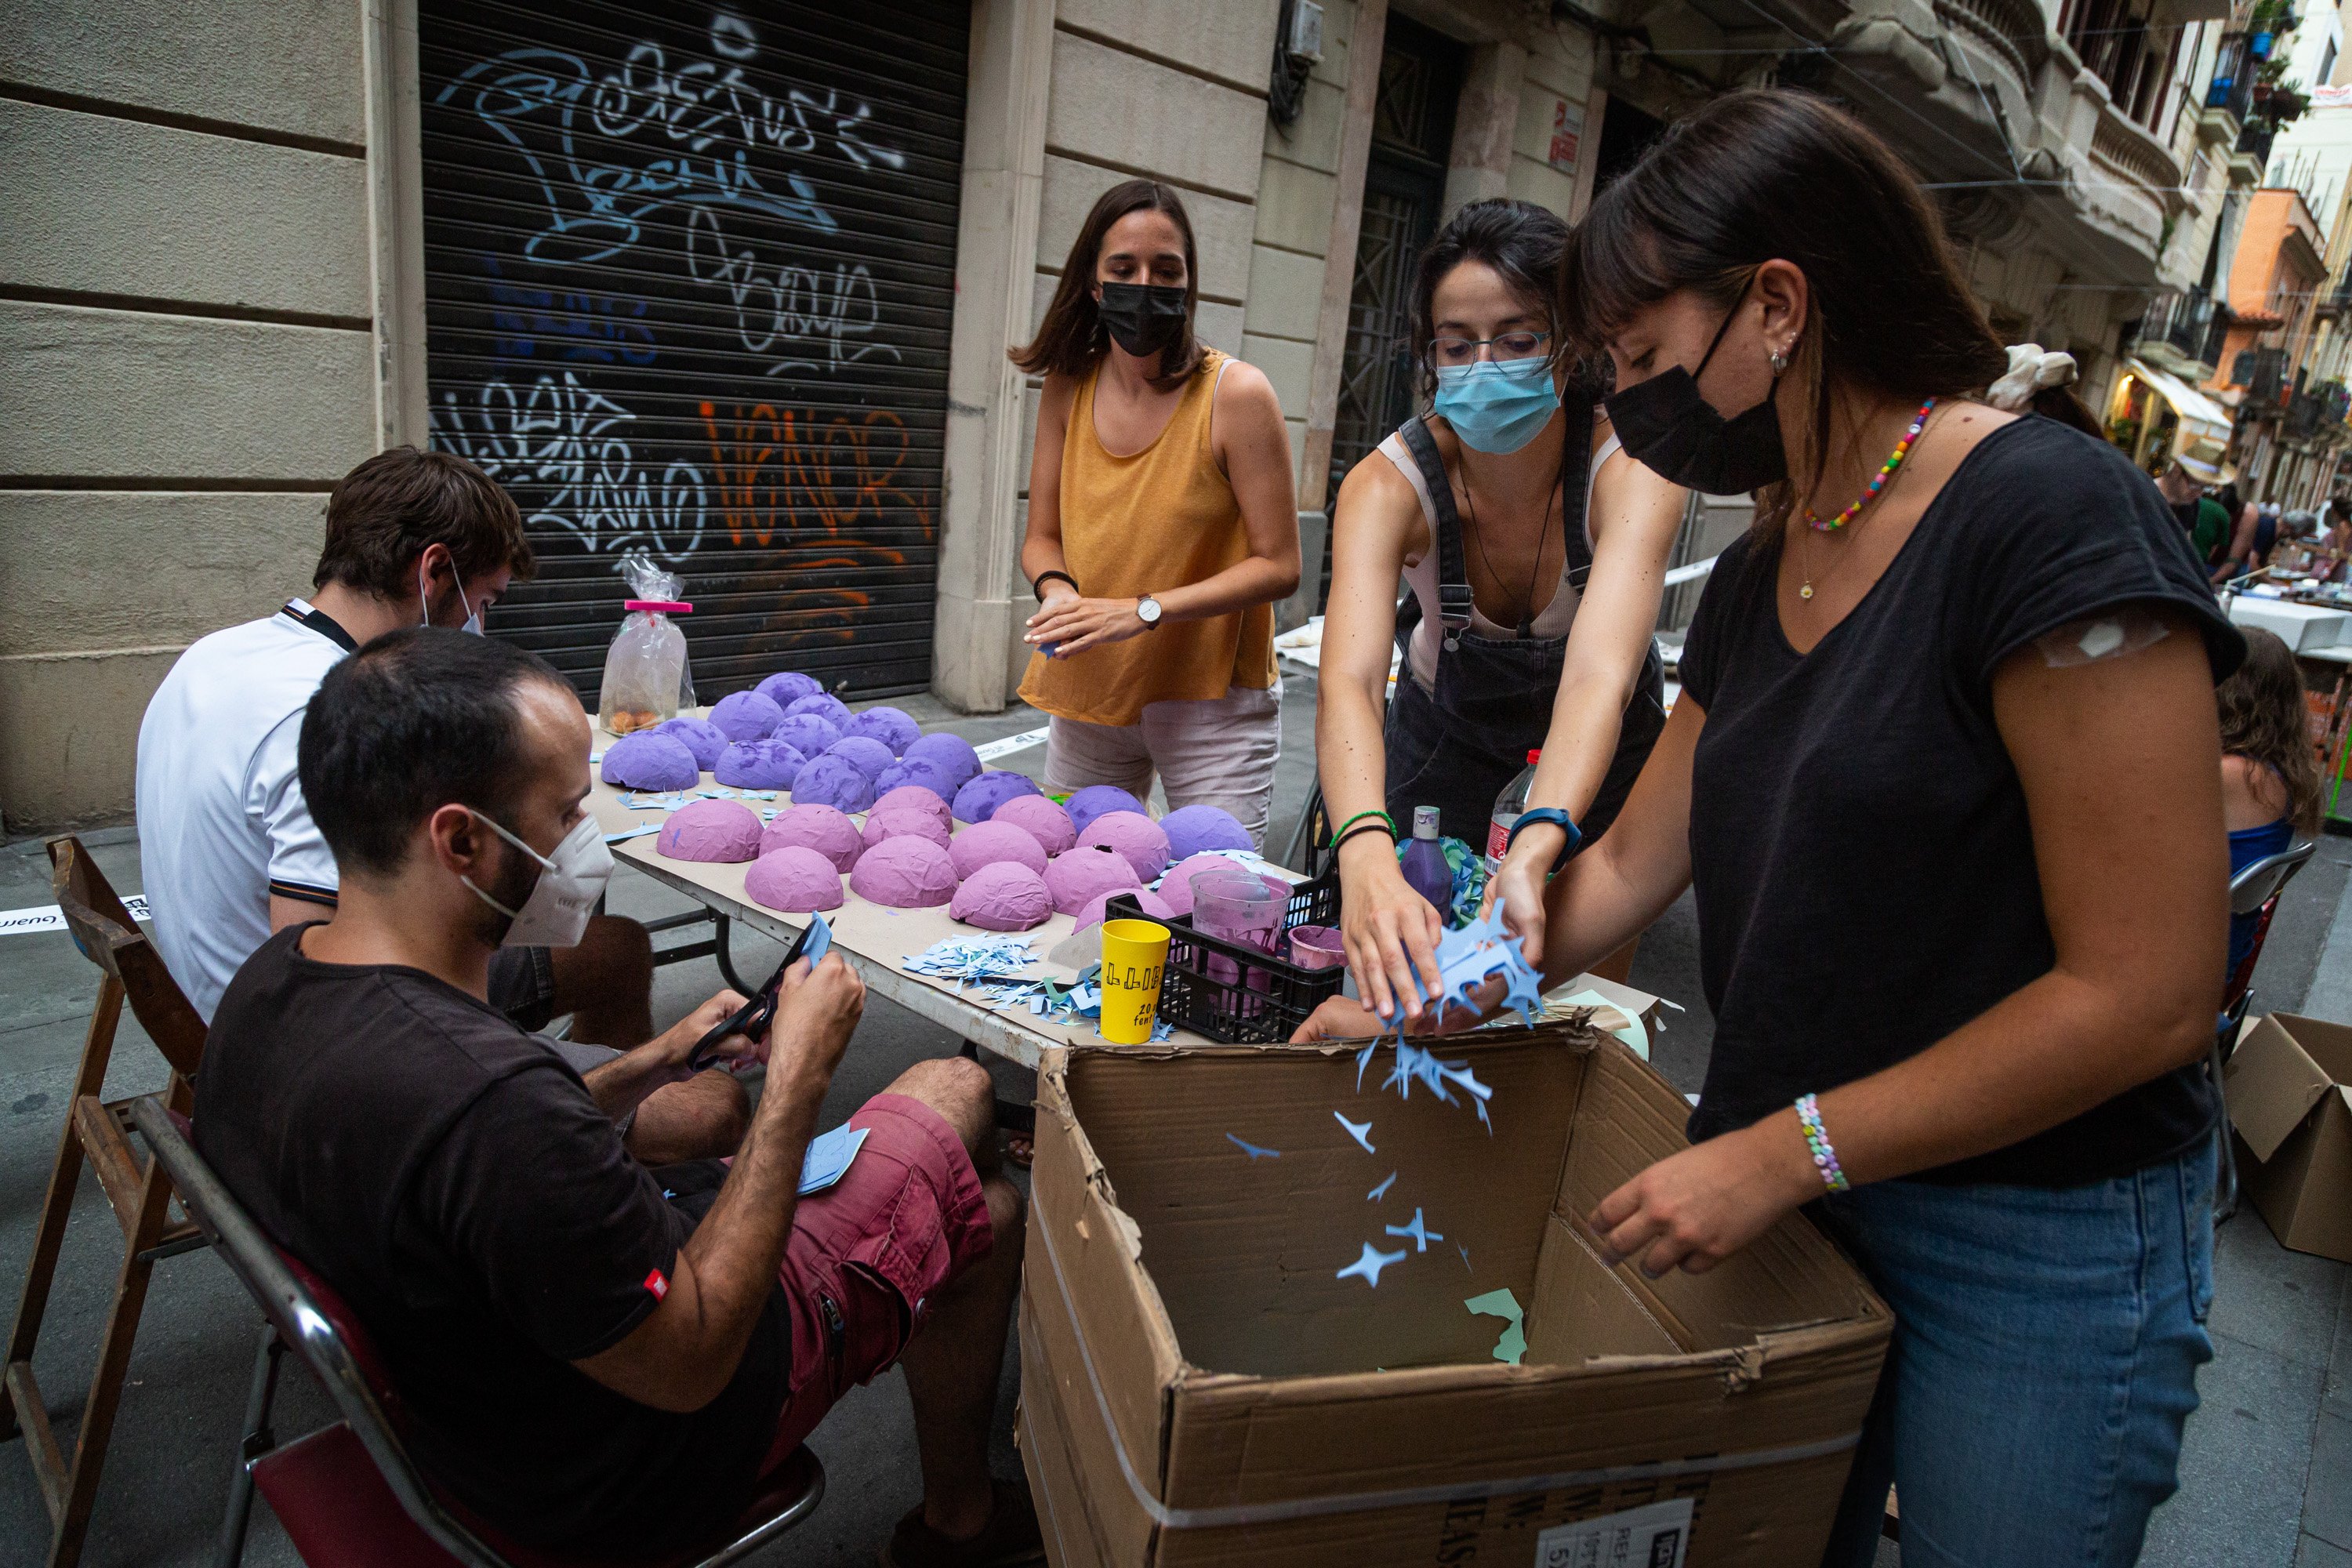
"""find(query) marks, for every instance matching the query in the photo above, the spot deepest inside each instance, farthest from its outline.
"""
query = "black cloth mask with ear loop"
(1673, 431)
(1143, 318)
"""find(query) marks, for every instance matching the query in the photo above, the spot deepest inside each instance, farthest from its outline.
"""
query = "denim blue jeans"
(2045, 1355)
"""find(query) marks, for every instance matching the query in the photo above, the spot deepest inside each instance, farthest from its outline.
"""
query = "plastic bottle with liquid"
(1507, 808)
(1424, 861)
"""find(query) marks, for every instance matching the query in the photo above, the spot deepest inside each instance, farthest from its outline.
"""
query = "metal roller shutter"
(688, 279)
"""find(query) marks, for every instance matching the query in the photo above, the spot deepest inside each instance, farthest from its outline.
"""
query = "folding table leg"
(259, 1439)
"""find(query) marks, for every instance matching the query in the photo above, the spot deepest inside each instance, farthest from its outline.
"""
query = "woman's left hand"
(1074, 624)
(1698, 1207)
(1517, 885)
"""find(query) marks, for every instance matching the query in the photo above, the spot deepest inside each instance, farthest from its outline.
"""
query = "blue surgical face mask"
(1496, 406)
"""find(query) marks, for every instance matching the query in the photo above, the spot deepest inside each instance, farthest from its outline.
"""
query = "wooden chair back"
(110, 939)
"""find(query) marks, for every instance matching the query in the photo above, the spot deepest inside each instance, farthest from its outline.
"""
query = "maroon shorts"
(866, 1255)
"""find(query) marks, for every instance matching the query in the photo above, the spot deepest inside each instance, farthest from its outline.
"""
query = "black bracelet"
(1037, 583)
(1342, 842)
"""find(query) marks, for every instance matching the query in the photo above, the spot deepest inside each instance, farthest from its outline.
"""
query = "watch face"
(1147, 609)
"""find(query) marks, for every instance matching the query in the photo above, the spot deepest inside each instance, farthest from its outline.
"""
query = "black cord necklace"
(1535, 575)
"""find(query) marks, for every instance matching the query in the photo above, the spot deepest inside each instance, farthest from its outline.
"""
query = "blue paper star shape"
(1361, 1132)
(1367, 1267)
(1421, 1236)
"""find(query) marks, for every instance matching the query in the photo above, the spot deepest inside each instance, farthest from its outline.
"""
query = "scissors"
(751, 1021)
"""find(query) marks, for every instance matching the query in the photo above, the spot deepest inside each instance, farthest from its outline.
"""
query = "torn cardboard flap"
(2273, 1082)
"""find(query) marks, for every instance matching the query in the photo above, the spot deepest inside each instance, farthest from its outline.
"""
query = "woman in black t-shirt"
(1944, 774)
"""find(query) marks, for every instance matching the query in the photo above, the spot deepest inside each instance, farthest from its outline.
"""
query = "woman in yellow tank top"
(1163, 524)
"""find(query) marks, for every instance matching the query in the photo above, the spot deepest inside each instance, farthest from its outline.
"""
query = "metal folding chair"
(2253, 890)
(96, 1132)
(349, 1494)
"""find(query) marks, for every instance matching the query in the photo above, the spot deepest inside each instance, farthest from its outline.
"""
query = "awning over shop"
(2202, 420)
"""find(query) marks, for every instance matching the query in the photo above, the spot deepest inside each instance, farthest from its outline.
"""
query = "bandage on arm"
(2111, 634)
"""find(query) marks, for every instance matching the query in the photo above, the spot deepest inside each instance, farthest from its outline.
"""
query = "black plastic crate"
(1266, 998)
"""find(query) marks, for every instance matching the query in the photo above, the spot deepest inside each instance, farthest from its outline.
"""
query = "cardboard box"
(2286, 1085)
(1198, 1385)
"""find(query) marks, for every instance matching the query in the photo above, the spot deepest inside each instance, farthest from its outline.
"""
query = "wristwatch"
(1147, 610)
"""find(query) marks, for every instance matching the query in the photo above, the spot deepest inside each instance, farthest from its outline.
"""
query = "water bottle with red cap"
(1507, 808)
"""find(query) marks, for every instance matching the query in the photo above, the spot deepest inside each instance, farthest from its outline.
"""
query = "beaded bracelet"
(1340, 832)
(1817, 1138)
(1340, 842)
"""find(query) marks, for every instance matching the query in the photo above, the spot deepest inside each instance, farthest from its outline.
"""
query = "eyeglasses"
(1508, 347)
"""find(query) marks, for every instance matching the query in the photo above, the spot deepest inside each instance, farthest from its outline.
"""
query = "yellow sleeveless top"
(1164, 517)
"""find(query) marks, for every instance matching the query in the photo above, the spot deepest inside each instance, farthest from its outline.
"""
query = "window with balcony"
(2119, 44)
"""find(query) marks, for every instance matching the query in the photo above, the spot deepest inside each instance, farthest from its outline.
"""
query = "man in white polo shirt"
(227, 851)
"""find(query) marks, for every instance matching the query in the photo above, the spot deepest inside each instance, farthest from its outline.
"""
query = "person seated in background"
(2269, 776)
(2205, 519)
(227, 850)
(587, 1359)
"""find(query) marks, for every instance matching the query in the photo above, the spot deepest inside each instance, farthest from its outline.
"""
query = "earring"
(1778, 360)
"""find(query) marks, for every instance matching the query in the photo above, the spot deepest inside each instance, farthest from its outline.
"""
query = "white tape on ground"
(48, 917)
(1009, 744)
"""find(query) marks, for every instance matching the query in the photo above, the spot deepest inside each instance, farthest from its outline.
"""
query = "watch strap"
(1553, 815)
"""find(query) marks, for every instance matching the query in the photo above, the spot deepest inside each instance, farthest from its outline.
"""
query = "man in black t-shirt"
(587, 1351)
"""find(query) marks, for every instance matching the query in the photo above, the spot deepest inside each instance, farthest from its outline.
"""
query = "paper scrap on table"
(828, 1157)
(1377, 1194)
(639, 832)
(1513, 1345)
(1259, 1151)
(1420, 1234)
(1367, 1267)
(1636, 1038)
(1361, 1132)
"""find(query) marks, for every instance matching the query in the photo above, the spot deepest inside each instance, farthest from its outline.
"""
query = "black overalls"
(1459, 749)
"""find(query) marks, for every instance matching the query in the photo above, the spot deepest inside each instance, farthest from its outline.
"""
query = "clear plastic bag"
(647, 677)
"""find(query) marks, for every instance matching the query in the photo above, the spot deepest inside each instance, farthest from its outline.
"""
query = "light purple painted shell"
(1133, 835)
(650, 760)
(1003, 896)
(824, 705)
(1084, 874)
(794, 879)
(723, 830)
(759, 764)
(788, 688)
(1193, 828)
(882, 825)
(1176, 888)
(918, 772)
(867, 754)
(891, 726)
(1098, 800)
(906, 873)
(703, 738)
(977, 801)
(818, 827)
(834, 780)
(912, 797)
(747, 716)
(1149, 902)
(809, 733)
(990, 843)
(951, 753)
(1042, 819)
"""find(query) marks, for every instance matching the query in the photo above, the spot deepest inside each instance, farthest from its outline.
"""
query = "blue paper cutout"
(1367, 1267)
(1465, 1255)
(1421, 1236)
(1468, 957)
(1361, 1132)
(828, 1157)
(1377, 1194)
(1259, 1151)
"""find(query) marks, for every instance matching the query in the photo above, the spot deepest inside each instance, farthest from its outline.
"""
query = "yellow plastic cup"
(1135, 954)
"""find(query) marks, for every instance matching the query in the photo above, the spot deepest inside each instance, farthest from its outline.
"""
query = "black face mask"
(1143, 318)
(1675, 432)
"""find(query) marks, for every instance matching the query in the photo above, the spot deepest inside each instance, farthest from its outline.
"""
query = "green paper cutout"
(1513, 1343)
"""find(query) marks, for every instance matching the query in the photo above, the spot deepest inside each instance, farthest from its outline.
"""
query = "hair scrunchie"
(2029, 371)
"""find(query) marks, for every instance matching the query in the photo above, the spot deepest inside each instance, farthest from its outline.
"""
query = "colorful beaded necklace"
(1878, 482)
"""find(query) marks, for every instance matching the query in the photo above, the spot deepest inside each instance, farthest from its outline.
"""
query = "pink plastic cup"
(1318, 947)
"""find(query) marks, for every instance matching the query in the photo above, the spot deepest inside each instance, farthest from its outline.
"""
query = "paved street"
(2266, 1483)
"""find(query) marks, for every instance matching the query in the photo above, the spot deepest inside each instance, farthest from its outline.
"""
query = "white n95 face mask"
(570, 884)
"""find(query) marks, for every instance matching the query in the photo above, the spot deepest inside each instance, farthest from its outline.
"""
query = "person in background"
(227, 849)
(1535, 550)
(2203, 519)
(2249, 543)
(1946, 781)
(589, 1354)
(1163, 524)
(2270, 774)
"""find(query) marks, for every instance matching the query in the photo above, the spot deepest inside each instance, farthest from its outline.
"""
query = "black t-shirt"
(453, 1180)
(1860, 849)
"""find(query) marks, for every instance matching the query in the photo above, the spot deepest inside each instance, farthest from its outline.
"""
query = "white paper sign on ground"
(48, 917)
(1654, 1535)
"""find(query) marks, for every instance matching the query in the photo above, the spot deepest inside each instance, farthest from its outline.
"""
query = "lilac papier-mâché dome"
(977, 801)
(794, 879)
(912, 797)
(703, 738)
(1042, 819)
(882, 825)
(834, 780)
(650, 760)
(819, 827)
(953, 753)
(746, 716)
(1003, 896)
(723, 830)
(891, 726)
(1194, 828)
(788, 688)
(1098, 800)
(759, 764)
(1149, 902)
(1085, 873)
(811, 734)
(906, 873)
(1133, 835)
(988, 843)
(868, 755)
(1176, 888)
(918, 772)
(824, 705)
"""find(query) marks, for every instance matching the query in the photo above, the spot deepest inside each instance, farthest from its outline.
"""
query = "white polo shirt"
(222, 821)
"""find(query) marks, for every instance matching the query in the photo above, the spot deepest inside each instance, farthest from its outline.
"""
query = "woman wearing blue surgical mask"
(1534, 552)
